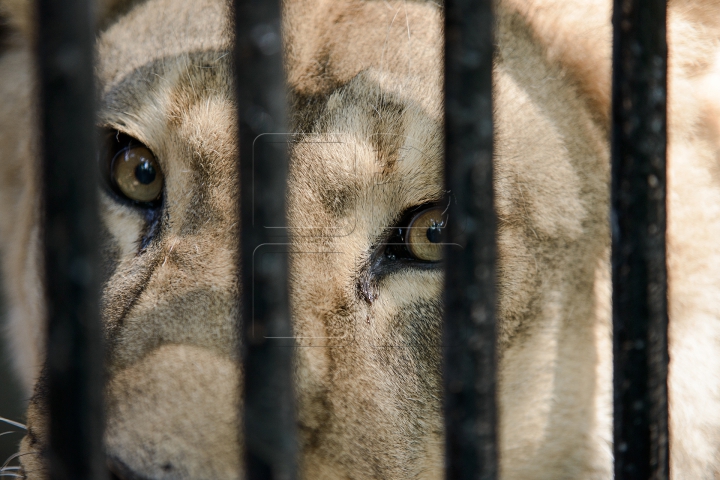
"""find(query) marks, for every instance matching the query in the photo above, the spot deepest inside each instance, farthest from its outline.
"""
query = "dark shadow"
(12, 403)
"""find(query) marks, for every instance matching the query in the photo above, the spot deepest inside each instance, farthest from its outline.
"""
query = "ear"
(19, 15)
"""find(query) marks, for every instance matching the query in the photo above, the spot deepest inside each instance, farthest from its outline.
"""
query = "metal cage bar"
(269, 415)
(469, 358)
(639, 275)
(69, 178)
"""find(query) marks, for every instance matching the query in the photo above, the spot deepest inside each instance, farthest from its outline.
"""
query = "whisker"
(14, 456)
(10, 471)
(13, 423)
(16, 474)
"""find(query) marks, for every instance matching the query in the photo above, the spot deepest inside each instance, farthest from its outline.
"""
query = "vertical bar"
(469, 359)
(69, 179)
(269, 415)
(638, 239)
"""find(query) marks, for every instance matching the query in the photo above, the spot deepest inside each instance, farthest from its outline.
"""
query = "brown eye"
(137, 174)
(425, 234)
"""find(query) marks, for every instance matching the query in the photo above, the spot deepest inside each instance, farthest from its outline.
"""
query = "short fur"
(365, 82)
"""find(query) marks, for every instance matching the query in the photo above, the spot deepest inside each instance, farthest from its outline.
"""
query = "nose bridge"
(182, 287)
(326, 303)
(189, 296)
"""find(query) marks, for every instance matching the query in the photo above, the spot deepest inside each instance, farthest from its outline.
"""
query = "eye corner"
(130, 170)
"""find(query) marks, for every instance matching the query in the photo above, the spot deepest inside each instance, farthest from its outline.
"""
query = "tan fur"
(365, 79)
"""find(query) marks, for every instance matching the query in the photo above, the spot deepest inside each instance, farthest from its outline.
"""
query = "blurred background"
(11, 400)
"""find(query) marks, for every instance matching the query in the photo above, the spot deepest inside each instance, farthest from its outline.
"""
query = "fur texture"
(365, 82)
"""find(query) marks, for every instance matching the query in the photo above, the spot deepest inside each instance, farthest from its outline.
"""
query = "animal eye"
(132, 170)
(425, 235)
(137, 174)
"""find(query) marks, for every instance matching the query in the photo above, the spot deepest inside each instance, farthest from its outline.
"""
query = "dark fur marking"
(388, 132)
(130, 297)
(313, 436)
(4, 33)
(413, 355)
(419, 326)
(306, 111)
(153, 220)
(338, 199)
(311, 115)
(339, 320)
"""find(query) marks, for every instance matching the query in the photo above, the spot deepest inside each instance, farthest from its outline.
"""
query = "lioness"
(365, 80)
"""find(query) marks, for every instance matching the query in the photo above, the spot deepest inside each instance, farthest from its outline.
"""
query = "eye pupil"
(434, 234)
(145, 173)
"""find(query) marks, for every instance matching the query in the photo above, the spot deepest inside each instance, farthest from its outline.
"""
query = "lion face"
(366, 170)
(366, 173)
(365, 163)
(171, 299)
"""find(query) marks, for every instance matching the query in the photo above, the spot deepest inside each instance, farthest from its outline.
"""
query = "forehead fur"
(177, 28)
(328, 42)
(383, 143)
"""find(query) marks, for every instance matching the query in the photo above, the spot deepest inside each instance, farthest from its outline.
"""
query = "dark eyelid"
(410, 213)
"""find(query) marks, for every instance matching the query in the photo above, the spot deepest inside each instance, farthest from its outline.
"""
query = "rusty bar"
(469, 356)
(269, 415)
(639, 274)
(69, 181)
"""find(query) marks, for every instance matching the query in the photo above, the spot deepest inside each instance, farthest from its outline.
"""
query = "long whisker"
(10, 471)
(13, 423)
(13, 457)
(6, 473)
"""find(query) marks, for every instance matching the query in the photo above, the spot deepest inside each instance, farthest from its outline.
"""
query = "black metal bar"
(269, 415)
(68, 142)
(638, 235)
(469, 358)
